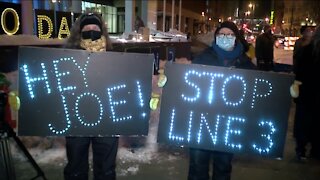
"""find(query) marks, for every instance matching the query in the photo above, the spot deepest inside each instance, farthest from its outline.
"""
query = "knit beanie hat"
(229, 25)
(90, 18)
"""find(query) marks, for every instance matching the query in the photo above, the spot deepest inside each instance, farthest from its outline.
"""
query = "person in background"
(306, 32)
(227, 51)
(138, 24)
(307, 98)
(264, 49)
(248, 47)
(89, 33)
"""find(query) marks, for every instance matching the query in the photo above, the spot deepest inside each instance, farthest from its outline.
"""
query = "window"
(109, 14)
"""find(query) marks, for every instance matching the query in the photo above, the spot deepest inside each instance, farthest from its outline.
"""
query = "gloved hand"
(162, 78)
(294, 89)
(14, 100)
(153, 103)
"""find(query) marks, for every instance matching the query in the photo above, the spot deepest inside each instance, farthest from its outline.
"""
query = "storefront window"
(98, 9)
(108, 13)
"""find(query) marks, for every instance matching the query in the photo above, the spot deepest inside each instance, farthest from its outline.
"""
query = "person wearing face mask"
(89, 33)
(226, 51)
(264, 49)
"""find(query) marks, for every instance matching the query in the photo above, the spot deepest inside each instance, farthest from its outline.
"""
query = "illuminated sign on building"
(63, 23)
(74, 92)
(48, 27)
(44, 23)
(232, 110)
(10, 18)
(271, 17)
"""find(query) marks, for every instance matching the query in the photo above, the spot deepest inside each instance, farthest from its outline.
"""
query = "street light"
(267, 20)
(251, 12)
(251, 8)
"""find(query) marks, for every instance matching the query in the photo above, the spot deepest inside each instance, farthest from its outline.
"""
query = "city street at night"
(159, 89)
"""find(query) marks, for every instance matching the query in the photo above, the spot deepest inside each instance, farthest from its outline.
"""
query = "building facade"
(162, 15)
(299, 12)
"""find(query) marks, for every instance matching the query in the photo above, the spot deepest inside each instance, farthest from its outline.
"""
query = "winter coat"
(306, 71)
(199, 159)
(264, 48)
(210, 57)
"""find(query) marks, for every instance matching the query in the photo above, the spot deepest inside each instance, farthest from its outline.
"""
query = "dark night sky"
(262, 7)
(193, 5)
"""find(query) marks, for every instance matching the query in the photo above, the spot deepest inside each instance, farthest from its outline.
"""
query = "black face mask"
(93, 35)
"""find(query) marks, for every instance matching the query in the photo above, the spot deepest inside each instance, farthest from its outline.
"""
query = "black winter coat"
(210, 57)
(264, 47)
(306, 71)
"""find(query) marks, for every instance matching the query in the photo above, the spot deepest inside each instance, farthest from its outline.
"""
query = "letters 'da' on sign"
(75, 92)
(232, 110)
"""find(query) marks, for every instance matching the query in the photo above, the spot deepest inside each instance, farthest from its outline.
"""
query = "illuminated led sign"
(10, 18)
(232, 110)
(49, 27)
(44, 23)
(63, 24)
(271, 17)
(40, 21)
(74, 92)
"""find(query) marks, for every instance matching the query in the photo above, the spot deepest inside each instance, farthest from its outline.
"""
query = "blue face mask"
(225, 42)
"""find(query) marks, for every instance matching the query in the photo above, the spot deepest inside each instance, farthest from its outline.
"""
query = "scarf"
(228, 57)
(95, 46)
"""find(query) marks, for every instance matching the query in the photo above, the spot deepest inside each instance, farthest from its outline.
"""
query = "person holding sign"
(307, 98)
(226, 51)
(89, 33)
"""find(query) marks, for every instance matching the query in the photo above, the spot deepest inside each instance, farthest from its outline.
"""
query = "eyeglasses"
(229, 36)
